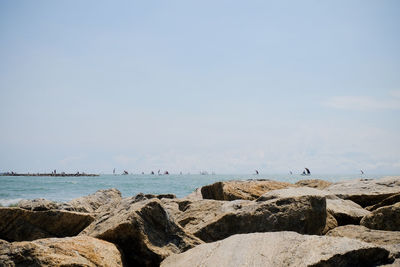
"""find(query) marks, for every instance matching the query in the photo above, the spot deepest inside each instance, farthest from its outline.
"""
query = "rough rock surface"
(143, 230)
(344, 211)
(386, 202)
(388, 239)
(212, 220)
(69, 251)
(385, 218)
(314, 183)
(281, 249)
(249, 190)
(366, 192)
(22, 225)
(331, 223)
(38, 204)
(91, 203)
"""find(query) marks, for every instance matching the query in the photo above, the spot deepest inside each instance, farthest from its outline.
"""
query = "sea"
(63, 189)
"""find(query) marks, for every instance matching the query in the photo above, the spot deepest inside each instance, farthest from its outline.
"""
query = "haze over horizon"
(223, 86)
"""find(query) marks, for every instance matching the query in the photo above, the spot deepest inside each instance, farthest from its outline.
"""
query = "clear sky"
(224, 86)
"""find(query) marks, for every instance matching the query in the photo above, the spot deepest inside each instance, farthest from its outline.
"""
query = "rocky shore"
(233, 223)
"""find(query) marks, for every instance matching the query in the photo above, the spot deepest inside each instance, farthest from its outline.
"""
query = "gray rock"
(366, 192)
(387, 239)
(143, 230)
(17, 224)
(281, 249)
(344, 211)
(385, 218)
(212, 220)
(71, 251)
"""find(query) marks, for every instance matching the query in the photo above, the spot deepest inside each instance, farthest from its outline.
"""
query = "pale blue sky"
(224, 86)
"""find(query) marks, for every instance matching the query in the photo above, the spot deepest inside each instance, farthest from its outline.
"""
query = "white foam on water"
(8, 202)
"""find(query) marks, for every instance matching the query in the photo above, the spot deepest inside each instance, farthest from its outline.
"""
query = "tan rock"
(330, 224)
(143, 230)
(38, 204)
(281, 249)
(17, 224)
(91, 203)
(386, 202)
(385, 218)
(212, 220)
(366, 192)
(388, 239)
(314, 183)
(70, 251)
(248, 190)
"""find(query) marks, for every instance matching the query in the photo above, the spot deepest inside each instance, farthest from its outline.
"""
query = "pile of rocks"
(233, 223)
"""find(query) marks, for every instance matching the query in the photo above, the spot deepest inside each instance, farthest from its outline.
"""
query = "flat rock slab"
(281, 249)
(23, 225)
(366, 192)
(212, 220)
(314, 183)
(385, 218)
(388, 239)
(248, 190)
(344, 211)
(70, 251)
(143, 230)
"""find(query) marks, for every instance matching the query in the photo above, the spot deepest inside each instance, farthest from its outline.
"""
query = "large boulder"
(344, 211)
(91, 203)
(17, 224)
(385, 218)
(314, 183)
(388, 239)
(386, 202)
(70, 251)
(249, 190)
(143, 230)
(212, 220)
(281, 249)
(366, 192)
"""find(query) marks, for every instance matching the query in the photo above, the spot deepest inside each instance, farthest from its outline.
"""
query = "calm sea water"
(13, 189)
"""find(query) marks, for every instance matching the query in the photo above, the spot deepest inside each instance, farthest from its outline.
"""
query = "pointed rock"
(143, 230)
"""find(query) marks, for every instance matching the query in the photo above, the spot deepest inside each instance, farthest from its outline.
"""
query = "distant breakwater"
(48, 174)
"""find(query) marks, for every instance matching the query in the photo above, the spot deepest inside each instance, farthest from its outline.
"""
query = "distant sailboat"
(306, 172)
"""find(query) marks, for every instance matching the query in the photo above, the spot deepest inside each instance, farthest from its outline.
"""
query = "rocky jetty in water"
(230, 223)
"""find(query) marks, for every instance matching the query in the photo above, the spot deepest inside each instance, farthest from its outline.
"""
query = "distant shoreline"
(49, 174)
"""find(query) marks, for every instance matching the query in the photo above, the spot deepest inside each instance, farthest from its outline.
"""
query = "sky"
(223, 86)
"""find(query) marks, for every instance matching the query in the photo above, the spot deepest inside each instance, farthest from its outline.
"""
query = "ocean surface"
(16, 188)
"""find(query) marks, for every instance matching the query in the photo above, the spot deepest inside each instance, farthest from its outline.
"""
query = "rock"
(91, 203)
(344, 211)
(69, 251)
(212, 220)
(281, 249)
(386, 202)
(17, 224)
(143, 230)
(195, 195)
(314, 183)
(366, 192)
(385, 218)
(330, 224)
(249, 190)
(38, 204)
(388, 239)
